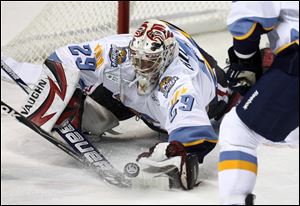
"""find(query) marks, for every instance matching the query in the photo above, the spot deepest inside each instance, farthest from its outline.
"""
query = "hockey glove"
(267, 57)
(243, 73)
(174, 154)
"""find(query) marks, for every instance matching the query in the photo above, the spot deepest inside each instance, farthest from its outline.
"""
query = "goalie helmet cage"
(63, 22)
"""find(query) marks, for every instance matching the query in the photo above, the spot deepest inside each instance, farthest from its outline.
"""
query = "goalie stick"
(15, 77)
(85, 153)
(89, 157)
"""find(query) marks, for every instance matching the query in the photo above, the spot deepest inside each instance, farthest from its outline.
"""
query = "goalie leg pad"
(51, 94)
(97, 119)
(73, 112)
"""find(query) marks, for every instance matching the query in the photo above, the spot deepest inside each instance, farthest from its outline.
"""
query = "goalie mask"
(152, 50)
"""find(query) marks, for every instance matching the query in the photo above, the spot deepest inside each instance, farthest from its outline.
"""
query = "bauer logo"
(80, 144)
(10, 111)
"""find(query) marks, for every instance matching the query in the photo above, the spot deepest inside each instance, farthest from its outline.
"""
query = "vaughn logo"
(250, 100)
(33, 97)
(57, 87)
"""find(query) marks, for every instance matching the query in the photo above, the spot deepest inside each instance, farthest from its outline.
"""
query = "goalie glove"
(173, 154)
(241, 74)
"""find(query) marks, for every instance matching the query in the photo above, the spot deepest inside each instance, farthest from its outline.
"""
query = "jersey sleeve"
(187, 120)
(91, 58)
(248, 20)
(244, 17)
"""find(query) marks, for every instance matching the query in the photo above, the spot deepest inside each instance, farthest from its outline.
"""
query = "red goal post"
(123, 16)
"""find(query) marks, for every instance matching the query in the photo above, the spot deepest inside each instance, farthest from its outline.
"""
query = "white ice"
(33, 171)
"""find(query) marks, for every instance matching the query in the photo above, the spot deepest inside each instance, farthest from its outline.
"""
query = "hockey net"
(61, 23)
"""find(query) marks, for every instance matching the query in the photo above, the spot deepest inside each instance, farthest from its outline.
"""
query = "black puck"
(131, 169)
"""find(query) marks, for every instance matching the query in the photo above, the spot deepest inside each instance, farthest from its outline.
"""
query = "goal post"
(123, 17)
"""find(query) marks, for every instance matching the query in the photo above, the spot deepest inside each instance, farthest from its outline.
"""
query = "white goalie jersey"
(177, 104)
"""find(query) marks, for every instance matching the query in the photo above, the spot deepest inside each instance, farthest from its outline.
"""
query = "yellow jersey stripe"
(99, 62)
(248, 33)
(286, 46)
(199, 142)
(178, 93)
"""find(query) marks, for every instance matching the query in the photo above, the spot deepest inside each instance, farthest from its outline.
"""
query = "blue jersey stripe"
(294, 35)
(203, 67)
(241, 27)
(191, 134)
(200, 62)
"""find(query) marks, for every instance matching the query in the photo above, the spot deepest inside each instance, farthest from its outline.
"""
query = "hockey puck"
(131, 169)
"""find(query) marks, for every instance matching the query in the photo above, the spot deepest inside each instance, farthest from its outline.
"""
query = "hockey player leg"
(96, 118)
(270, 109)
(237, 161)
(102, 112)
(274, 101)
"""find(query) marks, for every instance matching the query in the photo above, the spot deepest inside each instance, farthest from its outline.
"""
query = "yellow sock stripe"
(237, 164)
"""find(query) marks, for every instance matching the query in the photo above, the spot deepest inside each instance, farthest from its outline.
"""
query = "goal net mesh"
(61, 23)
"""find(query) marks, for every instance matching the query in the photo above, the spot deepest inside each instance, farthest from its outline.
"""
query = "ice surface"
(33, 171)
